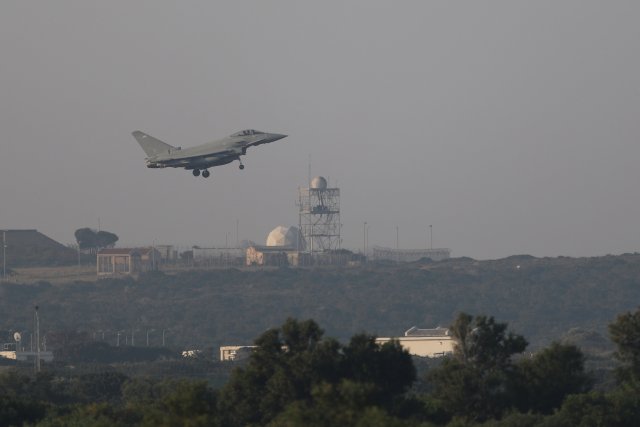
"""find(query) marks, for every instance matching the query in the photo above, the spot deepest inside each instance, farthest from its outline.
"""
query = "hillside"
(541, 298)
(28, 248)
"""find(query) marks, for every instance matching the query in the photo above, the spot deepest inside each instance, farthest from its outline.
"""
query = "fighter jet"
(200, 158)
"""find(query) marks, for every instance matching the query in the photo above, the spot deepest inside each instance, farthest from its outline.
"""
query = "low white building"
(424, 342)
(24, 356)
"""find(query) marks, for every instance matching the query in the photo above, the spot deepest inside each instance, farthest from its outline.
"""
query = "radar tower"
(319, 216)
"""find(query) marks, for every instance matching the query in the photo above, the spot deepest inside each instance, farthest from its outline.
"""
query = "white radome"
(319, 183)
(289, 237)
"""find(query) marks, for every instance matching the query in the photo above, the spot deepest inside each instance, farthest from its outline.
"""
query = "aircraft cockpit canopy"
(247, 132)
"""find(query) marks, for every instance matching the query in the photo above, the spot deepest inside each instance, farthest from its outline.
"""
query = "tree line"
(299, 377)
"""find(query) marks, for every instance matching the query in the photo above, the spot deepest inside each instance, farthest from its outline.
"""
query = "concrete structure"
(235, 352)
(409, 255)
(118, 261)
(268, 256)
(424, 342)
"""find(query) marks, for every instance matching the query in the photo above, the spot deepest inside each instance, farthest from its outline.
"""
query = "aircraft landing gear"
(241, 165)
(205, 173)
(196, 172)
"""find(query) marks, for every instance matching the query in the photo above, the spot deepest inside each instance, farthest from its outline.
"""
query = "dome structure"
(319, 183)
(288, 237)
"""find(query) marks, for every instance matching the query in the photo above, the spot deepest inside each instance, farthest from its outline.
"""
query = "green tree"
(625, 333)
(346, 403)
(15, 411)
(94, 240)
(620, 408)
(106, 239)
(474, 382)
(388, 368)
(294, 369)
(544, 380)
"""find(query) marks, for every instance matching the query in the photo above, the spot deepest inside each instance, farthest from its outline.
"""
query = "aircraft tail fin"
(151, 145)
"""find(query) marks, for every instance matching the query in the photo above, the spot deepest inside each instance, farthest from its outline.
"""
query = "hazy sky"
(513, 127)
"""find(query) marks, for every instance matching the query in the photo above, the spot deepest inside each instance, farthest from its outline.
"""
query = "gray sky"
(510, 126)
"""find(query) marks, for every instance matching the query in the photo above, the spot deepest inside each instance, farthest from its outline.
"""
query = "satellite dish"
(17, 336)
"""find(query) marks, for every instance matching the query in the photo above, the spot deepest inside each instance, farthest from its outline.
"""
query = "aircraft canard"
(200, 158)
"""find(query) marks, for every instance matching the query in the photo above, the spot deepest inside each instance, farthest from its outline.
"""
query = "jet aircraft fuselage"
(200, 158)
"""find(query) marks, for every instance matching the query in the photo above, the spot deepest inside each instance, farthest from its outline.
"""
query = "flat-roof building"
(424, 342)
(125, 261)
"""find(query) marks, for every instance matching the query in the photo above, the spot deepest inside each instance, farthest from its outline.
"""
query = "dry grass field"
(54, 274)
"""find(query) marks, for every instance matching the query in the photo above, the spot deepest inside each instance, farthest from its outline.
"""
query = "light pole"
(366, 246)
(37, 319)
(397, 244)
(431, 235)
(364, 240)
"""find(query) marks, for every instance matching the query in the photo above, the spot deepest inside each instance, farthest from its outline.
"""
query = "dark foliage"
(625, 333)
(298, 377)
(543, 381)
(91, 239)
(474, 383)
(294, 368)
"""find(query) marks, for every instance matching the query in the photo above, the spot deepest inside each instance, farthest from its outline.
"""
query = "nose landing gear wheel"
(196, 172)
(241, 166)
(205, 173)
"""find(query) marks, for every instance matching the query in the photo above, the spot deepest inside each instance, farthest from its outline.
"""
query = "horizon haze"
(511, 127)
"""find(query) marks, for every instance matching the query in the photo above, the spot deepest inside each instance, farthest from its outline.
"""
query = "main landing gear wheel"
(205, 173)
(241, 166)
(196, 172)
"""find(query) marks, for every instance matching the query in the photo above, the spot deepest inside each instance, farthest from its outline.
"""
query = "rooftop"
(437, 332)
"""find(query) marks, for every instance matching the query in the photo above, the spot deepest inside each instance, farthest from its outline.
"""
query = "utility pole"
(4, 255)
(37, 321)
(364, 240)
(431, 235)
(397, 244)
(366, 246)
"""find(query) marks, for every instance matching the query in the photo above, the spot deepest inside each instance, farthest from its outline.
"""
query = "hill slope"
(540, 298)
